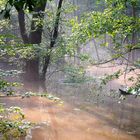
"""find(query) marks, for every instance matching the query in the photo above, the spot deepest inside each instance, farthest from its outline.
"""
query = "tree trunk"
(134, 35)
(32, 65)
(32, 70)
(53, 39)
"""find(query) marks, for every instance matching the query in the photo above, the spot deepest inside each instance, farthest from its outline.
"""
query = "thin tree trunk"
(53, 39)
(133, 42)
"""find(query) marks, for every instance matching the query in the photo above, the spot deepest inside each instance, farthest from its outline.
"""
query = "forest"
(69, 69)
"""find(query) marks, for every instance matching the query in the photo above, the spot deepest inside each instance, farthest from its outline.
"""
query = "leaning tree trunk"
(53, 39)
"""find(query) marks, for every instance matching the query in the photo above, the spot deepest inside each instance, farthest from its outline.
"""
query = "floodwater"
(65, 122)
(86, 114)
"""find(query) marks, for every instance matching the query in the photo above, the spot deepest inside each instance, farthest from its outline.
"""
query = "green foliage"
(96, 23)
(75, 75)
(11, 73)
(109, 77)
(45, 95)
(13, 47)
(5, 86)
(12, 124)
(135, 88)
(113, 21)
(119, 20)
(21, 5)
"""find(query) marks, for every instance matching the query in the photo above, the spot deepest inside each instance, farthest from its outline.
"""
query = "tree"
(120, 21)
(34, 36)
(53, 38)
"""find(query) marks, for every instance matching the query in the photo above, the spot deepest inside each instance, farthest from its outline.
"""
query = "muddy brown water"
(65, 122)
(84, 115)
